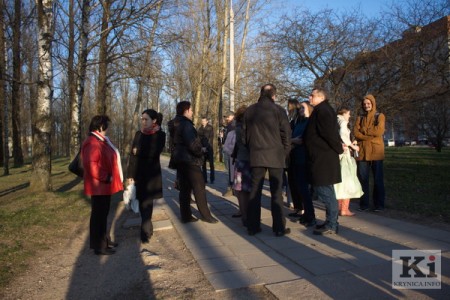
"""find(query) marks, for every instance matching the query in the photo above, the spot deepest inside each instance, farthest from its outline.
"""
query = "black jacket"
(323, 146)
(144, 164)
(206, 132)
(267, 134)
(186, 143)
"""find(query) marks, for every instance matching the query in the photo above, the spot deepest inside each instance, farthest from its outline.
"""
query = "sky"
(370, 8)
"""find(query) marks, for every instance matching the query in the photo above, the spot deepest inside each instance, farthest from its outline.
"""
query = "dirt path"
(163, 270)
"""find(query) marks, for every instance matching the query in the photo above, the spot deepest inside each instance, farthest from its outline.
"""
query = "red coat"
(100, 162)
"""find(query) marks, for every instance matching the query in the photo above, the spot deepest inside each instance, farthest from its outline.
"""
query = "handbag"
(76, 166)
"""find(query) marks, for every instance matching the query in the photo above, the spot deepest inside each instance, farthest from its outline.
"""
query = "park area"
(35, 225)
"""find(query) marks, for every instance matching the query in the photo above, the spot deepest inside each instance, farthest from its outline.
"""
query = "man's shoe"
(363, 209)
(253, 232)
(296, 214)
(325, 230)
(320, 226)
(236, 216)
(310, 223)
(112, 244)
(283, 232)
(191, 219)
(378, 210)
(211, 220)
(105, 252)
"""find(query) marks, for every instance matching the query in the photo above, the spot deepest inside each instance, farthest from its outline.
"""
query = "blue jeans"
(379, 194)
(327, 195)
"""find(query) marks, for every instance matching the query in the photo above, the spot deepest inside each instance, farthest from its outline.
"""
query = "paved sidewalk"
(355, 264)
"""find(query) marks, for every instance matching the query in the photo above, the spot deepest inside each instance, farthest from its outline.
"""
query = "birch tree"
(41, 179)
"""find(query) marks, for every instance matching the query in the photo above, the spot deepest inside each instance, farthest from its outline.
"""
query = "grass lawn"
(417, 181)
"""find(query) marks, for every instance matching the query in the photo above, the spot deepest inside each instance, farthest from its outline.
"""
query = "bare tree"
(41, 179)
(314, 44)
(4, 111)
(16, 80)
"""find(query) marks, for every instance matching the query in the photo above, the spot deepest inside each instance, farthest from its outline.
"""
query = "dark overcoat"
(267, 134)
(186, 142)
(144, 165)
(323, 146)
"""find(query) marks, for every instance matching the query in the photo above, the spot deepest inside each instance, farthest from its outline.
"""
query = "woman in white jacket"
(350, 186)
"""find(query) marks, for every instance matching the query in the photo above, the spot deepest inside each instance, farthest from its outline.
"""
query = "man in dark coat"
(323, 145)
(206, 134)
(267, 134)
(187, 156)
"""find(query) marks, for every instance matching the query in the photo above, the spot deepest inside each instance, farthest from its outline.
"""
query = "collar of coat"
(98, 135)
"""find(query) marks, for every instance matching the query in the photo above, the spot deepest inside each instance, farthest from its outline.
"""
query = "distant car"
(413, 143)
(391, 143)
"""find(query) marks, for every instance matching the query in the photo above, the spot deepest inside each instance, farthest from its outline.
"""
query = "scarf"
(155, 127)
(110, 144)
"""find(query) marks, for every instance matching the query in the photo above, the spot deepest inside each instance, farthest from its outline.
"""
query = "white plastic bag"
(129, 198)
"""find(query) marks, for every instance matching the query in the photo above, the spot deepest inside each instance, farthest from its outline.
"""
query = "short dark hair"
(99, 122)
(322, 91)
(268, 90)
(182, 107)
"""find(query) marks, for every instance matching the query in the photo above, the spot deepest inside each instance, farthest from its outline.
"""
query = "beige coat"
(370, 135)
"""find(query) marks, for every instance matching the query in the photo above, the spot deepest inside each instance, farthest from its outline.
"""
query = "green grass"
(35, 221)
(417, 181)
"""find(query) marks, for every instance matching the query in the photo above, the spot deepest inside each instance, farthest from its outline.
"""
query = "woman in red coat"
(102, 178)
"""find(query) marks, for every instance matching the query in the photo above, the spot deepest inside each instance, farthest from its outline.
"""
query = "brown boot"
(344, 211)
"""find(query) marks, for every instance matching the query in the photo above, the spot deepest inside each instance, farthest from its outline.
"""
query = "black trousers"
(98, 237)
(254, 205)
(146, 211)
(191, 180)
(209, 157)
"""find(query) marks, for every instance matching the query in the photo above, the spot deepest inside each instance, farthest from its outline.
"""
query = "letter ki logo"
(416, 269)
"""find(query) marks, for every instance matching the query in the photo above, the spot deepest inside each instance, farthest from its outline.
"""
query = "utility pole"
(231, 56)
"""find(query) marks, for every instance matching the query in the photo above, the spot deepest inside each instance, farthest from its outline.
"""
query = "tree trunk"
(15, 92)
(4, 111)
(102, 88)
(72, 84)
(75, 123)
(41, 179)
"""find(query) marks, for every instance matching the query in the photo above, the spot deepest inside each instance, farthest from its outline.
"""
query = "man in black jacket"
(323, 146)
(206, 134)
(267, 134)
(187, 156)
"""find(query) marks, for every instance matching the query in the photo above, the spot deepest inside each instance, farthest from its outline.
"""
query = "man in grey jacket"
(266, 132)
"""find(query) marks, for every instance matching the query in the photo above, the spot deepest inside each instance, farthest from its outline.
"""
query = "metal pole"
(231, 56)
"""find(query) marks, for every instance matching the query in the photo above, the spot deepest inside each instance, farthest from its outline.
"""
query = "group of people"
(313, 145)
(317, 148)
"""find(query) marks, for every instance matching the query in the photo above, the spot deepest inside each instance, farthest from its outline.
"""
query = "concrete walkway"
(355, 264)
